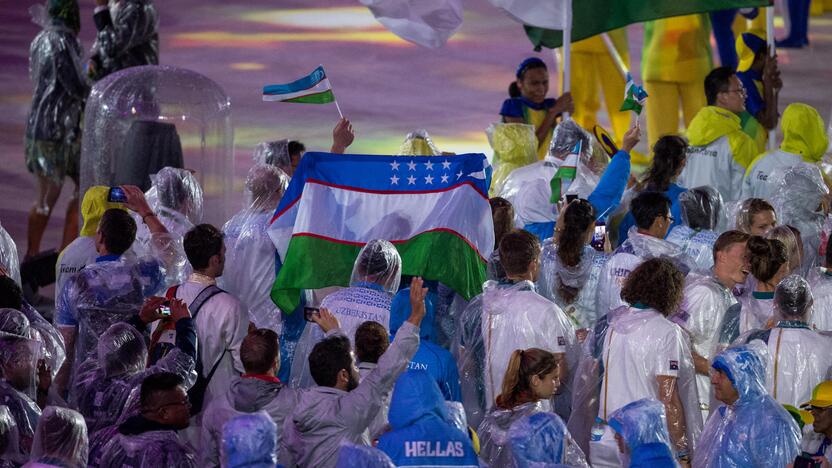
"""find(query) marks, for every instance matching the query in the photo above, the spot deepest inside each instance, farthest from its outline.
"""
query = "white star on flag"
(458, 176)
(429, 180)
(446, 164)
(411, 180)
(429, 166)
(394, 180)
(444, 178)
(411, 166)
(394, 165)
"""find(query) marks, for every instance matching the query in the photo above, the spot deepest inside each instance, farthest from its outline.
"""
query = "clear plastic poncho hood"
(249, 440)
(121, 350)
(8, 256)
(593, 159)
(702, 208)
(755, 430)
(793, 299)
(541, 440)
(274, 153)
(378, 263)
(61, 436)
(177, 190)
(418, 143)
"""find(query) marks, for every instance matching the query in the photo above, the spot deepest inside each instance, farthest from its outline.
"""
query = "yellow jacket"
(677, 49)
(713, 123)
(803, 132)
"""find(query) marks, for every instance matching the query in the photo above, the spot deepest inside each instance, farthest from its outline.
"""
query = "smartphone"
(116, 195)
(309, 312)
(599, 237)
(164, 309)
(570, 198)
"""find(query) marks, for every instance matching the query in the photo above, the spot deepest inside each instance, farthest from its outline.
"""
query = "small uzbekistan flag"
(634, 96)
(567, 171)
(313, 88)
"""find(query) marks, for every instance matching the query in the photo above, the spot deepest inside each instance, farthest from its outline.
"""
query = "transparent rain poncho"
(820, 280)
(100, 438)
(418, 143)
(375, 279)
(249, 252)
(176, 198)
(18, 369)
(798, 357)
(624, 358)
(105, 293)
(250, 440)
(635, 250)
(38, 329)
(53, 127)
(495, 438)
(60, 439)
(583, 277)
(541, 440)
(274, 153)
(801, 201)
(361, 456)
(506, 317)
(149, 450)
(8, 256)
(528, 188)
(20, 351)
(643, 426)
(703, 218)
(703, 309)
(104, 382)
(132, 38)
(514, 145)
(10, 455)
(753, 431)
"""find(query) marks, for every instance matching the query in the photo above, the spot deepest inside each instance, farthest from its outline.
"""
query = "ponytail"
(514, 90)
(522, 365)
(578, 216)
(502, 214)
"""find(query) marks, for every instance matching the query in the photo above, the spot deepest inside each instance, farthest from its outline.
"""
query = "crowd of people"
(680, 317)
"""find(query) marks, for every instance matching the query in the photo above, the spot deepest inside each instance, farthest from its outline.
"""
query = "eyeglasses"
(670, 218)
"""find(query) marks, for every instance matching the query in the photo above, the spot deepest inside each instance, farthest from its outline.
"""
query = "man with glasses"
(817, 435)
(719, 151)
(151, 438)
(651, 211)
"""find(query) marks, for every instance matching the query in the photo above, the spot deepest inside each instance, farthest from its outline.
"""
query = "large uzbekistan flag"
(434, 209)
(313, 88)
(592, 17)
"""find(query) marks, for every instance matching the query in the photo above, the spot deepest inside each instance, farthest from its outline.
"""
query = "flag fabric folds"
(313, 88)
(434, 209)
(592, 17)
(566, 173)
(550, 14)
(634, 96)
(428, 23)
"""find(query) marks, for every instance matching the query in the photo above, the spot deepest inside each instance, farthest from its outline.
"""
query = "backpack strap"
(202, 298)
(171, 292)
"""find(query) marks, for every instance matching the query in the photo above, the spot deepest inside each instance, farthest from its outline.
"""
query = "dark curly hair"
(578, 216)
(656, 283)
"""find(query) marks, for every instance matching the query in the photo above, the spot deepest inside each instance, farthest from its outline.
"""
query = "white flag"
(429, 23)
(548, 14)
